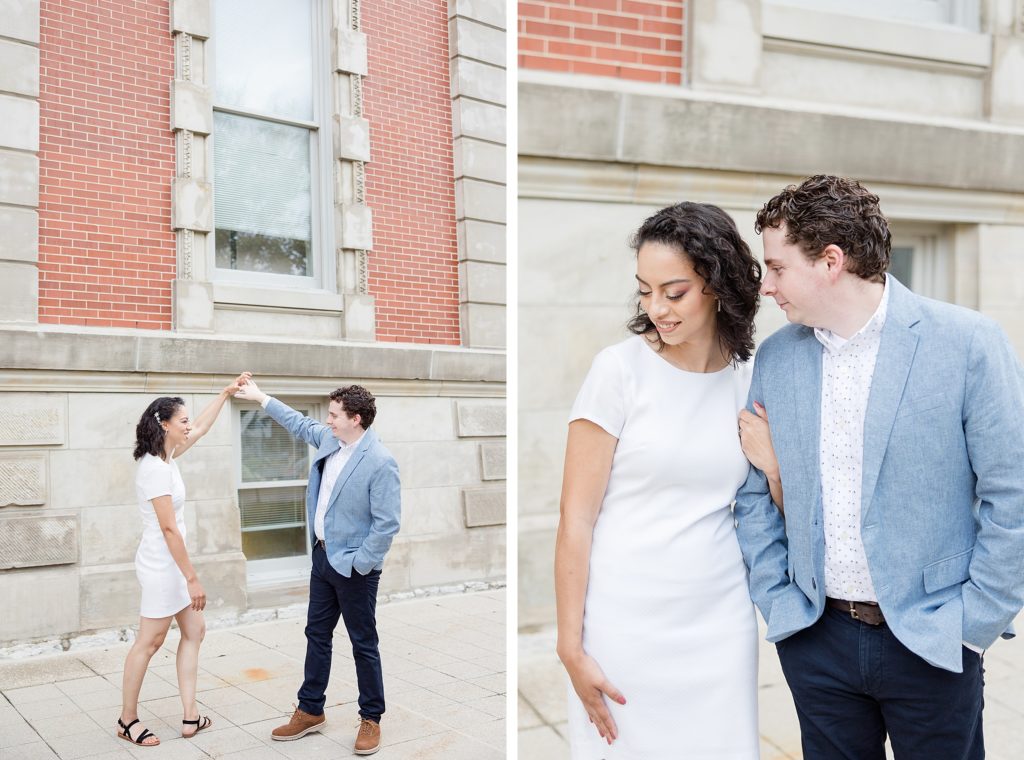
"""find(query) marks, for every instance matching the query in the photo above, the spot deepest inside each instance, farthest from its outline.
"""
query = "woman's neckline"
(650, 349)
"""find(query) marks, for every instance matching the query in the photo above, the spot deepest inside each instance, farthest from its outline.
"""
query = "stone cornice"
(42, 348)
(684, 129)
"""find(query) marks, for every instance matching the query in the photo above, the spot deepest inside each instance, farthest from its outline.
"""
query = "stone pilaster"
(191, 191)
(19, 161)
(1004, 94)
(353, 219)
(477, 39)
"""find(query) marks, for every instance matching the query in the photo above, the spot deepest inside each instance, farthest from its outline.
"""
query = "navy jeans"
(332, 595)
(853, 683)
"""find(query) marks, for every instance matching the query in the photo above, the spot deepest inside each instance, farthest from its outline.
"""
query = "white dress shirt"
(847, 366)
(333, 466)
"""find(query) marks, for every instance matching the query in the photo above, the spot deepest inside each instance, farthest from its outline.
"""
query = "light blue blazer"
(365, 508)
(942, 507)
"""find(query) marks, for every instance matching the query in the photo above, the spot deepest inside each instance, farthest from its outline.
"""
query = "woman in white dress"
(655, 624)
(170, 586)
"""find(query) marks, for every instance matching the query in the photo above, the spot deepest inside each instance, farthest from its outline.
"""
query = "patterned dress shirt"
(847, 366)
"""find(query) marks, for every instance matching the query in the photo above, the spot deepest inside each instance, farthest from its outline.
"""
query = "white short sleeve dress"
(164, 590)
(667, 615)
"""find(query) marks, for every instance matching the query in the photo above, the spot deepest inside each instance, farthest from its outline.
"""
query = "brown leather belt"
(865, 612)
(320, 542)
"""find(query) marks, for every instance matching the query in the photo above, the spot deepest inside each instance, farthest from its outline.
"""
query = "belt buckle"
(853, 610)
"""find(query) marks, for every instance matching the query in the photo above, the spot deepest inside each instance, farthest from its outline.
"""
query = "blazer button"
(814, 584)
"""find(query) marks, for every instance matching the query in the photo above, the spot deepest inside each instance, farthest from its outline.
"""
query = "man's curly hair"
(824, 210)
(708, 237)
(355, 399)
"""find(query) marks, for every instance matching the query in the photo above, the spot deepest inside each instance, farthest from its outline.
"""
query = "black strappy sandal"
(200, 723)
(140, 741)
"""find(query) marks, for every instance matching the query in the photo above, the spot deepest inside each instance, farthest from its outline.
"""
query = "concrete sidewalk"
(444, 676)
(542, 695)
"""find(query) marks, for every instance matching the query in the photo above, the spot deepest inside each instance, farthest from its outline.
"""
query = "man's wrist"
(265, 400)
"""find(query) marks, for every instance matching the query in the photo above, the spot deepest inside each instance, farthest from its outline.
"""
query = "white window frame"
(321, 258)
(965, 14)
(932, 263)
(282, 571)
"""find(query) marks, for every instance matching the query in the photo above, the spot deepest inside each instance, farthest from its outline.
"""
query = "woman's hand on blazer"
(756, 441)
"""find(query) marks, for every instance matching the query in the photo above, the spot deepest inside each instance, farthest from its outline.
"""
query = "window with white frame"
(273, 472)
(269, 181)
(961, 13)
(921, 260)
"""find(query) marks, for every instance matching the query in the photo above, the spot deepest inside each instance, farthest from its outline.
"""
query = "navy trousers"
(354, 599)
(854, 683)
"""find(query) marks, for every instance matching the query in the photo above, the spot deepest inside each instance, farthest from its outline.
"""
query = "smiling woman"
(170, 586)
(661, 651)
(696, 248)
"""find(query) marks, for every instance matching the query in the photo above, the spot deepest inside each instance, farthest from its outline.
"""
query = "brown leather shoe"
(300, 725)
(368, 738)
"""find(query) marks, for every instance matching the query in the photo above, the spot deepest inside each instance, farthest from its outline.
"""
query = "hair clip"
(156, 416)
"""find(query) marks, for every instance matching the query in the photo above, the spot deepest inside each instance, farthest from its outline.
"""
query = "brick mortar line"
(593, 43)
(612, 64)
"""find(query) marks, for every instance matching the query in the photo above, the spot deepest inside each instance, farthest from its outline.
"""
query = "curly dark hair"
(355, 399)
(708, 237)
(149, 433)
(824, 210)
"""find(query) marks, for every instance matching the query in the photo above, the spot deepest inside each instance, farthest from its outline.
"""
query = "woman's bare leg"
(193, 628)
(151, 635)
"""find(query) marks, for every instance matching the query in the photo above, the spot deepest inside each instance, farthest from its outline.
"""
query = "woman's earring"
(719, 305)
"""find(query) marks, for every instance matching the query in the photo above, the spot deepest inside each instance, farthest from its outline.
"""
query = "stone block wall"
(448, 536)
(69, 521)
(69, 517)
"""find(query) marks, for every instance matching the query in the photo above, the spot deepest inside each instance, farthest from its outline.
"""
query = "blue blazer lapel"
(892, 368)
(357, 456)
(806, 401)
(328, 445)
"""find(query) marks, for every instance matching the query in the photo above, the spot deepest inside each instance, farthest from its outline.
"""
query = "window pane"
(269, 452)
(901, 266)
(273, 508)
(273, 522)
(264, 56)
(262, 202)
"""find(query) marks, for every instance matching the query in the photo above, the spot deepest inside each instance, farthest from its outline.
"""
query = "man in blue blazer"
(898, 427)
(352, 507)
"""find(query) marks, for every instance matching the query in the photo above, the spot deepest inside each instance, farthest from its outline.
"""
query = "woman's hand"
(197, 594)
(237, 384)
(592, 687)
(756, 440)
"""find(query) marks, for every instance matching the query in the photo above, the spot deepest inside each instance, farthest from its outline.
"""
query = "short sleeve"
(155, 478)
(601, 400)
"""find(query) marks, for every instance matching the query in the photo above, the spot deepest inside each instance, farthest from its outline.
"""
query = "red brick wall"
(410, 183)
(106, 160)
(611, 38)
